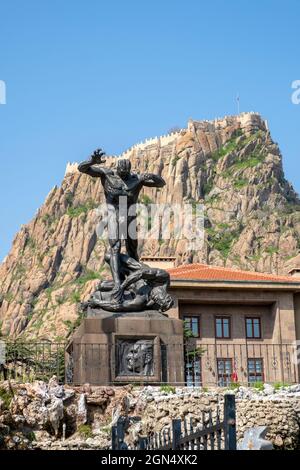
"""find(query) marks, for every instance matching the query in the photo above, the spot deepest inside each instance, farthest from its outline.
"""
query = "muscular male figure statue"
(119, 185)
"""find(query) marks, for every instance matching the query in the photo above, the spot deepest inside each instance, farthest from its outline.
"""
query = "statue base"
(141, 347)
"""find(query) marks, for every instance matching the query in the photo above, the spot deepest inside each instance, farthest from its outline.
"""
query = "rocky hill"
(231, 165)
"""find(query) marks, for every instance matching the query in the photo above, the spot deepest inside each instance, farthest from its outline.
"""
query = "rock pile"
(50, 416)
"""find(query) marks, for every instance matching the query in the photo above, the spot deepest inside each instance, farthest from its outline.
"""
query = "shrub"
(88, 275)
(258, 386)
(6, 397)
(76, 211)
(250, 162)
(106, 429)
(279, 385)
(146, 200)
(240, 183)
(167, 389)
(69, 197)
(234, 385)
(75, 297)
(175, 160)
(229, 147)
(61, 299)
(85, 431)
(48, 219)
(207, 187)
(31, 436)
(271, 250)
(187, 332)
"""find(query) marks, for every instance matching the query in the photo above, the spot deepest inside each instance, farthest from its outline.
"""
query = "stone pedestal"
(143, 347)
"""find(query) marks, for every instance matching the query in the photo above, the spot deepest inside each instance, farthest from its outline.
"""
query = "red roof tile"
(204, 272)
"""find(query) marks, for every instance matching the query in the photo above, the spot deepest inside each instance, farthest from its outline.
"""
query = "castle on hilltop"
(246, 120)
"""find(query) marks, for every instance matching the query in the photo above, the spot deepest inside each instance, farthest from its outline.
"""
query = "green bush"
(146, 200)
(234, 385)
(75, 297)
(259, 386)
(240, 183)
(48, 219)
(85, 431)
(175, 160)
(279, 385)
(207, 187)
(89, 275)
(250, 162)
(76, 211)
(229, 147)
(31, 436)
(271, 250)
(167, 389)
(6, 397)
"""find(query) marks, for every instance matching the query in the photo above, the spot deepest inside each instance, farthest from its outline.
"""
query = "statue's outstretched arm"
(88, 166)
(152, 180)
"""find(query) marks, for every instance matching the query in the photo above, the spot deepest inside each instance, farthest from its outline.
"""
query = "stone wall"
(50, 416)
(279, 411)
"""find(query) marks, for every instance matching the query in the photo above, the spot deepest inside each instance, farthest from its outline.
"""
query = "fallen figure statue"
(142, 288)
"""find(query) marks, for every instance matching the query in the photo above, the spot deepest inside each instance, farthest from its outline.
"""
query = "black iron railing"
(205, 364)
(247, 363)
(28, 361)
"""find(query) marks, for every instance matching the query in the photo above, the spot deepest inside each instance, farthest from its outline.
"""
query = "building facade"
(240, 326)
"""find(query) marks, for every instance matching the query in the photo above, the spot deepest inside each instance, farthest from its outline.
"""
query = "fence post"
(142, 443)
(114, 438)
(229, 422)
(176, 433)
(118, 434)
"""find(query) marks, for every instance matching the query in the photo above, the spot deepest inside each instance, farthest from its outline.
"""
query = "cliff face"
(231, 165)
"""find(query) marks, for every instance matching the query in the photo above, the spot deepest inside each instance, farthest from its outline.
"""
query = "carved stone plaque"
(134, 357)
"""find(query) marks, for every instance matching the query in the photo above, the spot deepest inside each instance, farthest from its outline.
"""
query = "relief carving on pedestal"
(135, 357)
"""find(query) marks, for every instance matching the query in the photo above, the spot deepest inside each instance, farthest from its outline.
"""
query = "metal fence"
(209, 433)
(246, 363)
(205, 364)
(29, 361)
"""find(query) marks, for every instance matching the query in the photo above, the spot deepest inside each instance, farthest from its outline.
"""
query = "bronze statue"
(121, 189)
(143, 288)
(135, 286)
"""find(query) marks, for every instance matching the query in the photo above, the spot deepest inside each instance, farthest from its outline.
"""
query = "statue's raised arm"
(88, 166)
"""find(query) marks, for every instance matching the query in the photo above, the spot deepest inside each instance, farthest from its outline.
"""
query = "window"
(253, 328)
(255, 370)
(222, 327)
(193, 371)
(224, 367)
(192, 324)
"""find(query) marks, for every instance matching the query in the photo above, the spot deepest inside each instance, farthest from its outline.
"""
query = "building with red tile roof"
(246, 323)
(204, 272)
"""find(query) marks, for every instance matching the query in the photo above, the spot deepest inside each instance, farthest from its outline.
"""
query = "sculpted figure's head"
(123, 168)
(163, 300)
(139, 357)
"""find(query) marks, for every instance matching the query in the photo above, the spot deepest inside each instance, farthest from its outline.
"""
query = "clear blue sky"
(82, 74)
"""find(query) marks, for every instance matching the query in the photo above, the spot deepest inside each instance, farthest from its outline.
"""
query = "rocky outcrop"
(231, 165)
(49, 416)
